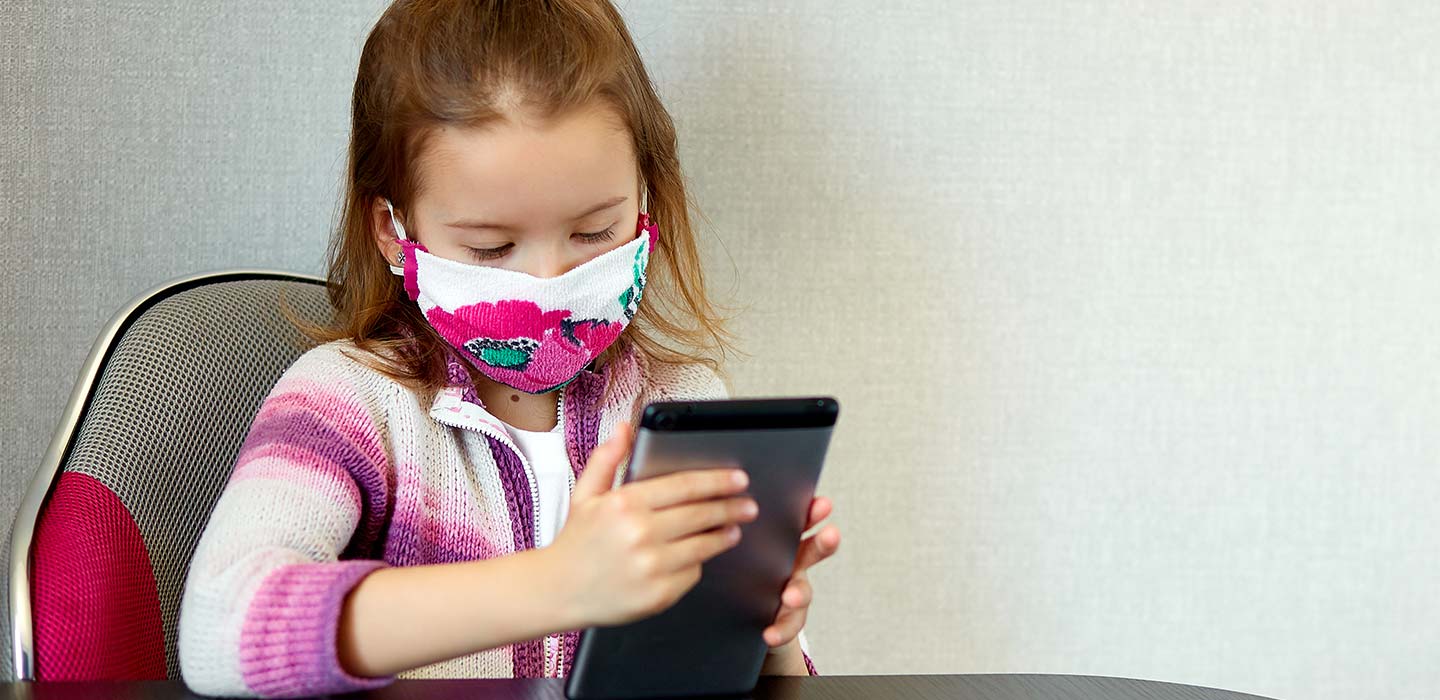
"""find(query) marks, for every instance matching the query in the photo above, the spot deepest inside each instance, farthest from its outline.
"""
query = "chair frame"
(22, 536)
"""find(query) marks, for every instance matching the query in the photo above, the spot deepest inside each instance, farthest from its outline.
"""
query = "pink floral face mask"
(531, 333)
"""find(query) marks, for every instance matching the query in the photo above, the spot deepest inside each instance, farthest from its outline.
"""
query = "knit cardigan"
(343, 472)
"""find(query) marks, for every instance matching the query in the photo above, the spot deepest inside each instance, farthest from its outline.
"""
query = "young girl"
(429, 493)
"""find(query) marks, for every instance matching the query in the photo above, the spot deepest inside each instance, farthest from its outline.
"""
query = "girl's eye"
(598, 236)
(484, 254)
(488, 254)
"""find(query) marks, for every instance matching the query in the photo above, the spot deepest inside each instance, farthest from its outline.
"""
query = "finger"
(599, 474)
(688, 486)
(816, 548)
(786, 627)
(820, 509)
(697, 549)
(678, 521)
(797, 593)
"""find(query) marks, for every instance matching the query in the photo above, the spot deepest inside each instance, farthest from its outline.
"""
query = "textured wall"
(1130, 306)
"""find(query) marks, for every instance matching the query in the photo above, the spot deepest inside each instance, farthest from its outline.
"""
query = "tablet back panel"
(710, 641)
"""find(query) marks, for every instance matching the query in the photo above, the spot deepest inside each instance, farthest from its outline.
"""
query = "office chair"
(102, 542)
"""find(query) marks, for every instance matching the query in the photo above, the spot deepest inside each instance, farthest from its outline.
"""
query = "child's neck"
(533, 412)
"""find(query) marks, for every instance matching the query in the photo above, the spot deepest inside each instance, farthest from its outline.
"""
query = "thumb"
(599, 472)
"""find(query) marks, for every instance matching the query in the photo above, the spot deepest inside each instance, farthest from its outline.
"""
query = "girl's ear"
(383, 230)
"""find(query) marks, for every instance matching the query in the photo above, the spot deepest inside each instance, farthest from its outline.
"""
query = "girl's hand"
(796, 596)
(633, 551)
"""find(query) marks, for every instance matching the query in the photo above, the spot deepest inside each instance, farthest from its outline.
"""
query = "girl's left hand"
(796, 596)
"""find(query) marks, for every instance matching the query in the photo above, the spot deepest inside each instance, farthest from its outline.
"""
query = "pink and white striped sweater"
(344, 471)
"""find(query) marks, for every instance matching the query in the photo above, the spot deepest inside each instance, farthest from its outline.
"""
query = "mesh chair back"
(172, 398)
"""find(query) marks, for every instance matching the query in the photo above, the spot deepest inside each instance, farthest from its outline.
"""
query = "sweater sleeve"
(805, 651)
(261, 608)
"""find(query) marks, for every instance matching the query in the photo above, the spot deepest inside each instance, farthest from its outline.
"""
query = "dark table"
(1002, 686)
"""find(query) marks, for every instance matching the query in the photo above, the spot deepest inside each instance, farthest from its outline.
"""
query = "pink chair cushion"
(96, 606)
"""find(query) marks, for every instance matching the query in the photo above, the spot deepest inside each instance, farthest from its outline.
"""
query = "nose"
(553, 267)
(550, 263)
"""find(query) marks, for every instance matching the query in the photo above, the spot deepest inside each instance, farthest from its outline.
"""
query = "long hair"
(434, 63)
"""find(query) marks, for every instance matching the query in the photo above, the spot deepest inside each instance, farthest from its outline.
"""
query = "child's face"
(531, 196)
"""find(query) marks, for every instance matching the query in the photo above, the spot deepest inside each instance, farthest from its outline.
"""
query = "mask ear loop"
(399, 228)
(400, 232)
(647, 223)
(407, 267)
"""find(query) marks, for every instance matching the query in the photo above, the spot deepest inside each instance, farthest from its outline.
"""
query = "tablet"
(709, 642)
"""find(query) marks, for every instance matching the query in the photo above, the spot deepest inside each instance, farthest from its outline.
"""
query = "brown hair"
(433, 63)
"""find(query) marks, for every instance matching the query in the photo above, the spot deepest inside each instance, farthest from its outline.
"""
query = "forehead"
(523, 166)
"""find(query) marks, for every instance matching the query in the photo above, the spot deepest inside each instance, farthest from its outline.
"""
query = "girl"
(428, 493)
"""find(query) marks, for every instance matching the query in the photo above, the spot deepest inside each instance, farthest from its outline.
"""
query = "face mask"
(530, 333)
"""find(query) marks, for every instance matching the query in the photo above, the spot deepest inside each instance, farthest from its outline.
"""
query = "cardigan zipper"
(564, 433)
(570, 473)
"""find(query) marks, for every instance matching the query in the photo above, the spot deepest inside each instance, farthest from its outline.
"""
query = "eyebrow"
(481, 224)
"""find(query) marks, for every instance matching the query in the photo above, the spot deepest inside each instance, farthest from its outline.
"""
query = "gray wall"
(1131, 306)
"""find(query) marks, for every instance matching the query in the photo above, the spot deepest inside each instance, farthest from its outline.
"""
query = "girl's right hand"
(633, 551)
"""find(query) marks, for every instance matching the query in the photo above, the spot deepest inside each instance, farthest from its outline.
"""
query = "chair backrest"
(103, 539)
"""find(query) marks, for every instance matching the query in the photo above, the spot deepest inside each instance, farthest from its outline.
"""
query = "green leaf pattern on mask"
(637, 286)
(504, 357)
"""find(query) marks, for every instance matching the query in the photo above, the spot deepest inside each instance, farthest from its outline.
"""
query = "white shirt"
(546, 454)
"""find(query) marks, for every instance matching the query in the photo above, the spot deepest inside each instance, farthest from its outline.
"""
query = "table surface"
(1004, 686)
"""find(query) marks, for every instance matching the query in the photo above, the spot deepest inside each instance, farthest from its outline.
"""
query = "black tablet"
(709, 642)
